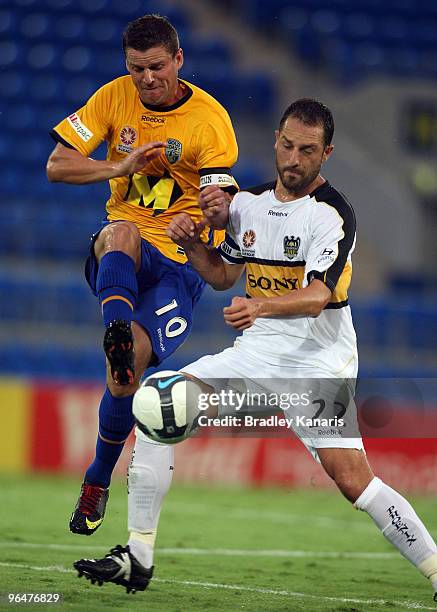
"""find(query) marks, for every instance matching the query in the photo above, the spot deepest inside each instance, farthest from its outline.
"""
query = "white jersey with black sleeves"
(284, 247)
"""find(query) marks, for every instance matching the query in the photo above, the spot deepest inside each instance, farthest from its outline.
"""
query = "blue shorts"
(167, 294)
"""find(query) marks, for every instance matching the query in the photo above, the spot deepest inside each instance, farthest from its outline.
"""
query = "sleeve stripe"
(234, 260)
(321, 276)
(204, 171)
(331, 197)
(231, 242)
(57, 138)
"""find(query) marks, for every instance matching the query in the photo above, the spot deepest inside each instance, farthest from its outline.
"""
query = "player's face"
(155, 74)
(300, 152)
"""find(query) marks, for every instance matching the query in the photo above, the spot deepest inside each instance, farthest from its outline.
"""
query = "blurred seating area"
(53, 55)
(354, 39)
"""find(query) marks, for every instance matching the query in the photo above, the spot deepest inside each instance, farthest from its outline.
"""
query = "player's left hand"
(242, 312)
(214, 203)
(184, 231)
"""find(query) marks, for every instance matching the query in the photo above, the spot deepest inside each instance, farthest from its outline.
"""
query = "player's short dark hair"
(151, 31)
(311, 112)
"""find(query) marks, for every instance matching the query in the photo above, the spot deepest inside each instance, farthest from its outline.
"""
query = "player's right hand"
(214, 204)
(140, 157)
(184, 231)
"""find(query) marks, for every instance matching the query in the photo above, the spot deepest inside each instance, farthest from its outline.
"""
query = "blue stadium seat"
(95, 6)
(70, 28)
(8, 23)
(77, 59)
(393, 29)
(104, 30)
(36, 26)
(61, 6)
(13, 85)
(45, 86)
(43, 56)
(78, 90)
(20, 117)
(359, 26)
(325, 22)
(34, 152)
(11, 54)
(211, 49)
(108, 62)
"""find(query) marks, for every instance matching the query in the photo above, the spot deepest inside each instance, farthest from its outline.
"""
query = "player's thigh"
(322, 411)
(119, 236)
(165, 310)
(229, 367)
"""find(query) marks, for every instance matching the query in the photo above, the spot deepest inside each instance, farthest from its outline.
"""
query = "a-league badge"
(173, 150)
(291, 246)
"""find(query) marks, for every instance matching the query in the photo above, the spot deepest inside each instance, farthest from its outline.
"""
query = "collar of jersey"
(166, 109)
(277, 202)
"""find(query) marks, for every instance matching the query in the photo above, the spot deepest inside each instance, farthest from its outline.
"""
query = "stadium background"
(374, 64)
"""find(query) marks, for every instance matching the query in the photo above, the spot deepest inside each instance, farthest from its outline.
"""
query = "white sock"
(149, 478)
(399, 523)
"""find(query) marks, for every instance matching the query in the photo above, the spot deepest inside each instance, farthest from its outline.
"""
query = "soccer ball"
(165, 407)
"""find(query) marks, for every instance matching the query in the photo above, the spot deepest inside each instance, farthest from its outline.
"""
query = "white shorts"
(320, 409)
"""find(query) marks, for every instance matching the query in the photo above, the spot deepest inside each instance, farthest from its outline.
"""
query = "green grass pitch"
(217, 549)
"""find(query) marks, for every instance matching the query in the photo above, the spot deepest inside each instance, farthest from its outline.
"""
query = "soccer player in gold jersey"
(166, 139)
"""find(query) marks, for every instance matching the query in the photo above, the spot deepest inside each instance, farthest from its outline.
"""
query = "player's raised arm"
(67, 165)
(206, 260)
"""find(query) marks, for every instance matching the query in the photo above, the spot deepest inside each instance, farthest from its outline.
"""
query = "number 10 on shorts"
(176, 325)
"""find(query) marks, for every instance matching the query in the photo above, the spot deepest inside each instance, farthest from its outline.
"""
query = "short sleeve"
(86, 128)
(332, 242)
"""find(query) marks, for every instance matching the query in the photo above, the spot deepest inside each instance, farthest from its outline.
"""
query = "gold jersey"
(201, 150)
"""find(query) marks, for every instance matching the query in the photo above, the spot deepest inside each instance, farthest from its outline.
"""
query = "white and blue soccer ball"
(165, 407)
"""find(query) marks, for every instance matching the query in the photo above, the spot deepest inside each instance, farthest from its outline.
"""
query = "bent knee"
(351, 484)
(119, 236)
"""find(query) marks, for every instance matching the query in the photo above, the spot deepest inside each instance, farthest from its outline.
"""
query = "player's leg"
(118, 253)
(149, 479)
(115, 424)
(391, 512)
(150, 476)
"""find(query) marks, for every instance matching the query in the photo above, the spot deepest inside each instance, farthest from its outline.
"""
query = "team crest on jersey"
(291, 246)
(249, 238)
(128, 136)
(173, 150)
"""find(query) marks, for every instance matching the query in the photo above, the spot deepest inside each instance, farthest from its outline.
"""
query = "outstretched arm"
(204, 259)
(69, 166)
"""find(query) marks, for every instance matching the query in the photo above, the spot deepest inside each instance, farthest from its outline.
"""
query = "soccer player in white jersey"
(293, 238)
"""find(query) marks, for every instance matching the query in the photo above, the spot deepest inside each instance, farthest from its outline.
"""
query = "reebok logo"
(274, 213)
(152, 119)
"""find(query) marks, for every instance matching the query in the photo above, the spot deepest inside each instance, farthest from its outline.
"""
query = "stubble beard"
(296, 185)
